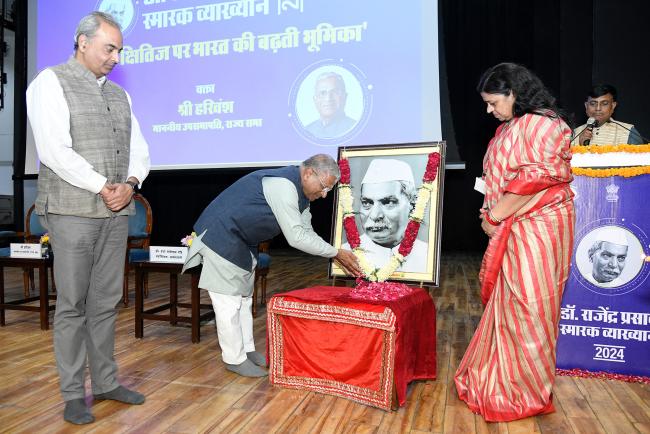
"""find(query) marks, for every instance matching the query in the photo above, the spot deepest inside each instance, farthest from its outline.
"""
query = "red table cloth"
(323, 339)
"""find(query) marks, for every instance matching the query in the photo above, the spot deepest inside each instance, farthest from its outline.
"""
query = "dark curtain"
(621, 57)
(545, 37)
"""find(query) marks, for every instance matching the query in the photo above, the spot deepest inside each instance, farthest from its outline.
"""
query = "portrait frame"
(416, 156)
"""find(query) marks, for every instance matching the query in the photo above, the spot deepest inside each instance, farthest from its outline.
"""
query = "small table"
(326, 340)
(44, 308)
(141, 270)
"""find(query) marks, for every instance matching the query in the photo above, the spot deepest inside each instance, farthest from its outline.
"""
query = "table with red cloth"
(327, 340)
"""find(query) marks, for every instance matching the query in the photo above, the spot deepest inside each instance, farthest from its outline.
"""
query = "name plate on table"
(23, 250)
(173, 255)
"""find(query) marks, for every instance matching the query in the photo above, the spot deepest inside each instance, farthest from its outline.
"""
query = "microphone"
(636, 132)
(591, 124)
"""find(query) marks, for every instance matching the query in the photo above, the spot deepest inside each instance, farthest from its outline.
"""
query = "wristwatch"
(134, 185)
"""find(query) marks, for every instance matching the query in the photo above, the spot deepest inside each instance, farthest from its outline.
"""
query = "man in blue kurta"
(255, 208)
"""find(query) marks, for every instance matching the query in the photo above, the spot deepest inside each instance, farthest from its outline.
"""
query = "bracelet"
(489, 217)
(494, 218)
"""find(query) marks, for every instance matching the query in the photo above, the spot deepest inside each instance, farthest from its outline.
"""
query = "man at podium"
(601, 128)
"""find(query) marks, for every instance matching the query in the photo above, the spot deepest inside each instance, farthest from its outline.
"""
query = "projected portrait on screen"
(329, 103)
(330, 96)
(122, 10)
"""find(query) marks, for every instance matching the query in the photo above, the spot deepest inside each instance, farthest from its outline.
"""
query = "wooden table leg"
(44, 298)
(196, 309)
(139, 302)
(2, 296)
(173, 298)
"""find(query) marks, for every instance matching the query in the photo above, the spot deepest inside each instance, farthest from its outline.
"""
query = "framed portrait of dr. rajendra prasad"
(388, 210)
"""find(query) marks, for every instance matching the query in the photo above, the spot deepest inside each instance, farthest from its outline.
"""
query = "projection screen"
(247, 83)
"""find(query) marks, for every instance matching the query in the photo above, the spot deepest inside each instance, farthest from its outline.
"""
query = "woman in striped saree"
(508, 370)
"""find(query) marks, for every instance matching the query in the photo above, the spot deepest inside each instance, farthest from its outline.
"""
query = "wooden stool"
(142, 269)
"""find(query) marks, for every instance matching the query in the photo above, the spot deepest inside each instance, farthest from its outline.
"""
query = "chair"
(261, 272)
(137, 246)
(33, 228)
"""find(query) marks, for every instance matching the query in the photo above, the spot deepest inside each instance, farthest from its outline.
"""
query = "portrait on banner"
(608, 257)
(385, 182)
(605, 314)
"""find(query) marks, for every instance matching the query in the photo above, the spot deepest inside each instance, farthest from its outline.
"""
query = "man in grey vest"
(255, 208)
(92, 155)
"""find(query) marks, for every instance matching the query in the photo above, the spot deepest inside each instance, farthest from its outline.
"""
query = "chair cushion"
(138, 255)
(35, 226)
(263, 260)
(138, 221)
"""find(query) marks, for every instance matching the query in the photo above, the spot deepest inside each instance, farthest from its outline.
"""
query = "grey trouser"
(88, 271)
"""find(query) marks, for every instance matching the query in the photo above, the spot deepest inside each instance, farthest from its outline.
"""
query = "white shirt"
(49, 118)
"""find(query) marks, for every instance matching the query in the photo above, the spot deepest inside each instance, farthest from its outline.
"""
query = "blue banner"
(605, 316)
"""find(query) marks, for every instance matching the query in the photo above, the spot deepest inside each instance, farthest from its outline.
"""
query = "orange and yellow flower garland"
(625, 172)
(604, 149)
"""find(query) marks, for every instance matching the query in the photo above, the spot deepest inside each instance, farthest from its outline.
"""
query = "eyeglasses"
(325, 188)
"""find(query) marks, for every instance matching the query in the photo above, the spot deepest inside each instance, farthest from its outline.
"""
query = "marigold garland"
(626, 172)
(603, 149)
(370, 272)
